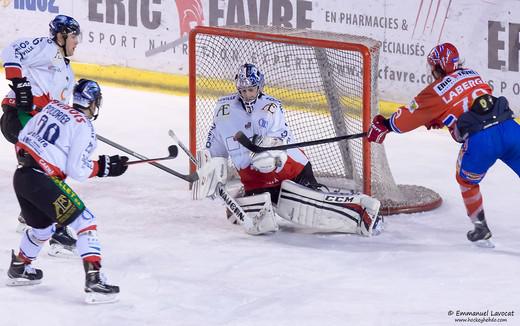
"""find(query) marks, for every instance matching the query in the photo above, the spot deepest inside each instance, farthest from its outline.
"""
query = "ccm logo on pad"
(339, 199)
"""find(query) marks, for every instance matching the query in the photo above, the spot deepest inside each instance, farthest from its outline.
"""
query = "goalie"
(283, 178)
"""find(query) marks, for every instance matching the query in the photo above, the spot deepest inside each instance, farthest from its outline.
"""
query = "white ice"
(179, 262)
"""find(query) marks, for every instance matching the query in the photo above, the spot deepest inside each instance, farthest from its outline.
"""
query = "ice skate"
(21, 273)
(96, 289)
(63, 244)
(481, 235)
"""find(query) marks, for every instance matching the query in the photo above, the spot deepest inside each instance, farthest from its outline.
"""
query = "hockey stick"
(186, 177)
(172, 134)
(230, 202)
(246, 142)
(172, 153)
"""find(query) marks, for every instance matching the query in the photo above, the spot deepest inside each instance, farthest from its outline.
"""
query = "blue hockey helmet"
(249, 76)
(87, 92)
(63, 24)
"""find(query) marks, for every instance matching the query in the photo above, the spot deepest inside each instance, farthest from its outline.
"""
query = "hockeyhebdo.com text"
(482, 316)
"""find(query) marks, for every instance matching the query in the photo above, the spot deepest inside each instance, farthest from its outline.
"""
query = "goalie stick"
(246, 142)
(230, 202)
(186, 177)
(172, 153)
(172, 134)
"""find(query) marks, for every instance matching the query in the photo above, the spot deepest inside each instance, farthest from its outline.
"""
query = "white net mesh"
(321, 89)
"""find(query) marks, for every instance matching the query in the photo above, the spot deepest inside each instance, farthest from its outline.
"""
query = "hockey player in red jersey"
(56, 143)
(39, 71)
(459, 99)
(284, 178)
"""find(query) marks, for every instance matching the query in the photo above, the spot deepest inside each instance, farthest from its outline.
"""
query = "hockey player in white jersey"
(39, 72)
(57, 143)
(284, 178)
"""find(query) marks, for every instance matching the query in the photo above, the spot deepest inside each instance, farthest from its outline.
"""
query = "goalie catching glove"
(212, 171)
(269, 161)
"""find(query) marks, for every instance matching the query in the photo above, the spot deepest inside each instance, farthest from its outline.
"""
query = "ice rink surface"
(179, 262)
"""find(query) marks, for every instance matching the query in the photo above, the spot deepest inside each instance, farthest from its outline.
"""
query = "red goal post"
(327, 83)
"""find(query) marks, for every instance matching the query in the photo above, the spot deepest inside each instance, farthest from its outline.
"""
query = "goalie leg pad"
(331, 212)
(370, 215)
(260, 209)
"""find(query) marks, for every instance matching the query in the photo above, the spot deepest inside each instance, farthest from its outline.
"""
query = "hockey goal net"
(327, 85)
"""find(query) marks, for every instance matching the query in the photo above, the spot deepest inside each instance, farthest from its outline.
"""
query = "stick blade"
(173, 151)
(244, 141)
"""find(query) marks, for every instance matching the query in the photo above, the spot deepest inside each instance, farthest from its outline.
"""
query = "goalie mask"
(250, 83)
(87, 98)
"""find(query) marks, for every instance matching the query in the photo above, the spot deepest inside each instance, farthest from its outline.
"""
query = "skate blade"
(21, 282)
(484, 244)
(61, 252)
(21, 227)
(99, 298)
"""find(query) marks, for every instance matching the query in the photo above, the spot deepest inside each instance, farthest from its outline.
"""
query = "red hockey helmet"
(444, 57)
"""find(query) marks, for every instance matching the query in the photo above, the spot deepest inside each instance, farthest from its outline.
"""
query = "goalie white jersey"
(41, 62)
(267, 119)
(61, 140)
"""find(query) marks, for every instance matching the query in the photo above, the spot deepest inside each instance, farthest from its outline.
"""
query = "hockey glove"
(378, 129)
(112, 166)
(434, 125)
(24, 97)
(269, 161)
